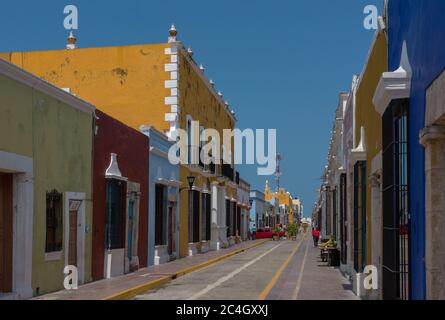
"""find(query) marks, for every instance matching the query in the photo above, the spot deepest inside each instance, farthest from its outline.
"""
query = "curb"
(132, 292)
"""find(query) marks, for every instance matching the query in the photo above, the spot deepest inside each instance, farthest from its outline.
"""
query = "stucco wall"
(367, 116)
(426, 51)
(59, 139)
(160, 167)
(132, 149)
(198, 101)
(126, 82)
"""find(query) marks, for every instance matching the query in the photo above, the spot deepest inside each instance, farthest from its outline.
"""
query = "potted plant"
(292, 231)
(276, 234)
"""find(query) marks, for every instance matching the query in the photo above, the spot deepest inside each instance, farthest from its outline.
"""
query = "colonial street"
(276, 270)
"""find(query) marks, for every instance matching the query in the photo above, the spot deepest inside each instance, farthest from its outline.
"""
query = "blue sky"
(280, 64)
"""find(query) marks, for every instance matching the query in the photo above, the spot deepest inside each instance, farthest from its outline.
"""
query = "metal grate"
(396, 216)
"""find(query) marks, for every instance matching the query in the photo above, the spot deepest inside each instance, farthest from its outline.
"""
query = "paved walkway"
(306, 277)
(127, 285)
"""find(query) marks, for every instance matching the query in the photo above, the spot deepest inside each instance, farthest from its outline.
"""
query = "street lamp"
(191, 181)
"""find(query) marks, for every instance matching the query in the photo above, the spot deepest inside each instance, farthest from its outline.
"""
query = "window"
(194, 216)
(54, 222)
(228, 209)
(396, 217)
(196, 213)
(359, 216)
(116, 214)
(334, 213)
(160, 215)
(206, 216)
(343, 215)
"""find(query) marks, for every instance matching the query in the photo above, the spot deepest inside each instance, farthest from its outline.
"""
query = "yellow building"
(366, 164)
(284, 203)
(159, 85)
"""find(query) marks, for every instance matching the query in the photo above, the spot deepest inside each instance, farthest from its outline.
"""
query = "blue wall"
(421, 24)
(160, 168)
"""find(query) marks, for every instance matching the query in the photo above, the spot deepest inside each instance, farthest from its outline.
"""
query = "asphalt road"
(255, 274)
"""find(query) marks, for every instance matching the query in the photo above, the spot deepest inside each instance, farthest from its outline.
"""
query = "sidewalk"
(308, 278)
(129, 285)
(322, 282)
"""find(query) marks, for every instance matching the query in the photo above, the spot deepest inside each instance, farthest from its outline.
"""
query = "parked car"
(264, 233)
(267, 233)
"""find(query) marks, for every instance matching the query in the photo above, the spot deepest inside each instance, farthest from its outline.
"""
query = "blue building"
(411, 100)
(257, 210)
(163, 221)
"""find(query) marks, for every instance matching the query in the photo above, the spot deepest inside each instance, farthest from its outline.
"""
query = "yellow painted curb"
(129, 293)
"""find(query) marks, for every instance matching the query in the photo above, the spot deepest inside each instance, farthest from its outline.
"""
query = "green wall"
(59, 139)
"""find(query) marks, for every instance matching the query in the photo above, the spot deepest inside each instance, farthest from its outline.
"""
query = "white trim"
(158, 152)
(113, 171)
(10, 70)
(168, 183)
(394, 85)
(206, 82)
(81, 234)
(359, 153)
(23, 209)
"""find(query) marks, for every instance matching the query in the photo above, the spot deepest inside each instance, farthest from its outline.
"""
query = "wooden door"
(5, 232)
(72, 244)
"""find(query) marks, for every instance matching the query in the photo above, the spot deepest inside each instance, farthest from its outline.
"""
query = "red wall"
(132, 149)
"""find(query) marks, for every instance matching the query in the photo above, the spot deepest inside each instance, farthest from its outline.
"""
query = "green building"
(46, 137)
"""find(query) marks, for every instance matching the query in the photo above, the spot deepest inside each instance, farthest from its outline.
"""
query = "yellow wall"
(125, 82)
(198, 101)
(367, 116)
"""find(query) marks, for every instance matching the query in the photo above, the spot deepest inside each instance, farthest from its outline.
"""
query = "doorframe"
(23, 210)
(132, 187)
(81, 220)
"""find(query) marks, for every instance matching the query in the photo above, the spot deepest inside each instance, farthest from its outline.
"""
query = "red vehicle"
(266, 233)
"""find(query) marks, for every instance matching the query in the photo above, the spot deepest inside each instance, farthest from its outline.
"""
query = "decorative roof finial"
(220, 94)
(212, 83)
(173, 33)
(71, 45)
(201, 67)
(190, 51)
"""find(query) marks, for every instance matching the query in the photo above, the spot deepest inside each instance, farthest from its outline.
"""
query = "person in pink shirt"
(315, 236)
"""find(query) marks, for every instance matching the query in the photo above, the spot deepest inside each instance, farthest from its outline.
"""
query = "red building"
(120, 198)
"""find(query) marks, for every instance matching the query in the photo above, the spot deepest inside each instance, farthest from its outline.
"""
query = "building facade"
(120, 198)
(163, 86)
(45, 184)
(258, 211)
(164, 188)
(243, 208)
(416, 62)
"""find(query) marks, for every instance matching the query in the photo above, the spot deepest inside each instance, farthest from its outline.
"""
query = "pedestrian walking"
(315, 236)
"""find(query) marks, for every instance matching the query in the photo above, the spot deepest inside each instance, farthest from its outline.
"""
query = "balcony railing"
(227, 171)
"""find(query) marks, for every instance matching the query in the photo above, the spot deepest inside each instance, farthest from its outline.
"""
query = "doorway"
(74, 233)
(6, 232)
(171, 230)
(72, 242)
